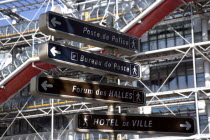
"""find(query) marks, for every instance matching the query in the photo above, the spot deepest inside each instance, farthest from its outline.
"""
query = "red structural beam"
(24, 77)
(21, 79)
(155, 16)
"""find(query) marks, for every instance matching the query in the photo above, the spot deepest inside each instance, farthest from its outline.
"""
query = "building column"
(208, 113)
(204, 28)
(134, 83)
(206, 62)
(207, 73)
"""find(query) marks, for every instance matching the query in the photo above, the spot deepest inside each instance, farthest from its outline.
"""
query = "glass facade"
(180, 78)
(166, 37)
(160, 77)
(176, 109)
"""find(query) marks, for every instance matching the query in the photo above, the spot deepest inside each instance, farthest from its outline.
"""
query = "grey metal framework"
(174, 57)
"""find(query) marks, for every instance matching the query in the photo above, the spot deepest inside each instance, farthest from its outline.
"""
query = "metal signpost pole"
(110, 66)
(52, 119)
(52, 106)
(111, 109)
(110, 80)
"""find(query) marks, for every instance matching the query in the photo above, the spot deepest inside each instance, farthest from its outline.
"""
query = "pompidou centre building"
(143, 65)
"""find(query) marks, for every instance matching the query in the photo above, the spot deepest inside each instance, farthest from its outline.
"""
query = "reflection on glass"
(198, 37)
(162, 72)
(161, 43)
(190, 80)
(154, 79)
(144, 47)
(200, 79)
(19, 59)
(172, 81)
(170, 42)
(153, 45)
(11, 67)
(128, 17)
(101, 12)
(182, 82)
(179, 41)
(93, 14)
(188, 38)
(181, 78)
(121, 23)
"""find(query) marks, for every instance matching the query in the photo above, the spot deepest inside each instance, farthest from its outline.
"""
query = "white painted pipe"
(7, 1)
(177, 91)
(142, 15)
(170, 49)
(173, 104)
(86, 2)
(18, 70)
(177, 138)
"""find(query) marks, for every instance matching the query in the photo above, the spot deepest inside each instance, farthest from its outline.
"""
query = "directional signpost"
(80, 90)
(125, 123)
(73, 29)
(65, 27)
(95, 63)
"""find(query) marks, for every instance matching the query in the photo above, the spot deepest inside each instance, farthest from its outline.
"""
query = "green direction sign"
(79, 90)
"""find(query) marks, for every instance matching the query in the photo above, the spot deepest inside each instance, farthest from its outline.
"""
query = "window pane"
(200, 79)
(153, 45)
(161, 43)
(170, 42)
(2, 56)
(182, 83)
(147, 83)
(179, 41)
(190, 79)
(154, 79)
(198, 37)
(163, 75)
(173, 79)
(188, 38)
(144, 47)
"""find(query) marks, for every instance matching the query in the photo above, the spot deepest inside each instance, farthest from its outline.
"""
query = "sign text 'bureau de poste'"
(95, 63)
(61, 26)
(79, 90)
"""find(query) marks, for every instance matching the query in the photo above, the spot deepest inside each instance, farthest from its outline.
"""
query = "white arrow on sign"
(187, 125)
(54, 22)
(45, 85)
(54, 51)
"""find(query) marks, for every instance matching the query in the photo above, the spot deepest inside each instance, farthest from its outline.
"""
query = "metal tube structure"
(164, 48)
(194, 75)
(19, 69)
(117, 9)
(142, 15)
(171, 49)
(52, 120)
(7, 1)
